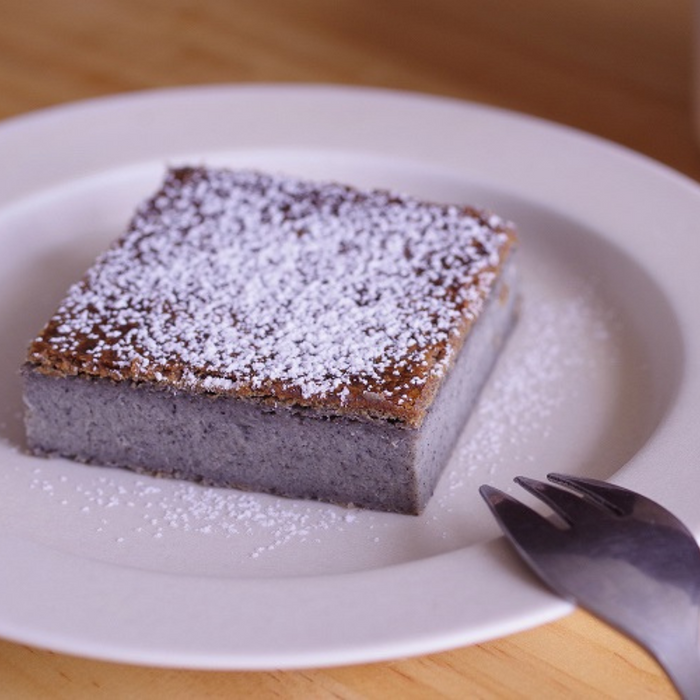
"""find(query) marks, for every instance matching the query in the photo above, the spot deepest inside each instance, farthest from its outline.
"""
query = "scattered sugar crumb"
(196, 509)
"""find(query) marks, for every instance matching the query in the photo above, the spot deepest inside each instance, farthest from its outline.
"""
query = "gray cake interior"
(290, 451)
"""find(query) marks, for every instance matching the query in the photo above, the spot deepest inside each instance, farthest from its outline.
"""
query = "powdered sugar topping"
(240, 282)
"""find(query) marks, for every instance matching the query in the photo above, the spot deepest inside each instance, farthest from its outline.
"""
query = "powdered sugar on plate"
(160, 509)
(564, 346)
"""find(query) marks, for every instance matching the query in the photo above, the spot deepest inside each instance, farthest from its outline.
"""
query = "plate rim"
(536, 606)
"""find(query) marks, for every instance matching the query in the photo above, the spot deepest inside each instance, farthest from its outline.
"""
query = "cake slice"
(268, 333)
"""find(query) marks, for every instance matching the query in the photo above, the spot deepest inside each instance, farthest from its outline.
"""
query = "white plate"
(601, 378)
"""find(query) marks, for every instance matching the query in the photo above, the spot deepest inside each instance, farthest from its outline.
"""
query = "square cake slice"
(273, 334)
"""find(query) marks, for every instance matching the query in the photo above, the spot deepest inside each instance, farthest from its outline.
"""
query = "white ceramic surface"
(600, 378)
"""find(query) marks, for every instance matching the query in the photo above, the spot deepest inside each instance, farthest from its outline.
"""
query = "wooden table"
(619, 70)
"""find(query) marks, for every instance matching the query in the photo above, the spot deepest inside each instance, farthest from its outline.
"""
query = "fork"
(617, 554)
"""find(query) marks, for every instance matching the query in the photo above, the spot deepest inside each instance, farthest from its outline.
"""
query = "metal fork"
(619, 555)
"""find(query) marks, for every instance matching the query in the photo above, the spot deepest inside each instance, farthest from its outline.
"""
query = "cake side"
(289, 292)
(242, 442)
(458, 395)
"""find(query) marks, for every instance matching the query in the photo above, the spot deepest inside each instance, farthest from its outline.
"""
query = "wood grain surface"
(615, 68)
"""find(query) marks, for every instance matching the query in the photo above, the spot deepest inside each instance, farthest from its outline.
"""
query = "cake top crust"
(282, 290)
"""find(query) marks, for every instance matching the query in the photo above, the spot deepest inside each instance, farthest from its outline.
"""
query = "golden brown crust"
(95, 334)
